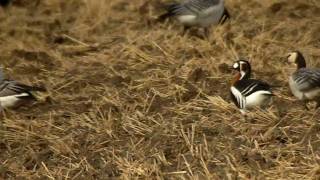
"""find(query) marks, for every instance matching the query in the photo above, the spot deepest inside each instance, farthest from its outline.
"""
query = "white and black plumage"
(304, 82)
(248, 93)
(14, 94)
(201, 13)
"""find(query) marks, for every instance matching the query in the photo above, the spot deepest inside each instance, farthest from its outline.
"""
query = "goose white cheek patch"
(292, 57)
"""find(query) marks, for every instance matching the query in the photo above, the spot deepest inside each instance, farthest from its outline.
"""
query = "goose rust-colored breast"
(236, 78)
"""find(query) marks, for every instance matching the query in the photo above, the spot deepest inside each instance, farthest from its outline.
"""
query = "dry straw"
(129, 98)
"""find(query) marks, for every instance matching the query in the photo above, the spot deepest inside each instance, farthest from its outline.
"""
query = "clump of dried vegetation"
(129, 98)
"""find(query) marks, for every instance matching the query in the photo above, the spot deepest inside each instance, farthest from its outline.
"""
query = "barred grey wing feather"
(8, 88)
(307, 79)
(178, 9)
(203, 3)
(198, 6)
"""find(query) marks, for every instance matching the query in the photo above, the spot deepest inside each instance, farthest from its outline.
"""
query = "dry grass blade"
(129, 98)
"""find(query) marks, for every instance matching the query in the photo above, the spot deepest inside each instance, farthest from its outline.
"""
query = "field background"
(130, 98)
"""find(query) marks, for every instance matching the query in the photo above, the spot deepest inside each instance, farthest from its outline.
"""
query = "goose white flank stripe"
(240, 98)
(248, 93)
(10, 101)
(13, 94)
(202, 13)
(304, 82)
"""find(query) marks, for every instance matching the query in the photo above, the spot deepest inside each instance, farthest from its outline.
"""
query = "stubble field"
(129, 98)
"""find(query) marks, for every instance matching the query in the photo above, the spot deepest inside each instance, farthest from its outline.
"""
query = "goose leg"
(185, 30)
(2, 113)
(306, 105)
(206, 32)
(318, 104)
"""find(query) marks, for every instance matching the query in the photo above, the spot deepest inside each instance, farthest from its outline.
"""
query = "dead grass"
(131, 99)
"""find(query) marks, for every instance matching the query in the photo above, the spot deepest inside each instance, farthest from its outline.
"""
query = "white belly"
(11, 101)
(258, 99)
(189, 20)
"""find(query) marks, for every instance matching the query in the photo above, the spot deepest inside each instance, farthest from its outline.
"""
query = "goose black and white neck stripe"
(14, 94)
(248, 93)
(202, 13)
(304, 82)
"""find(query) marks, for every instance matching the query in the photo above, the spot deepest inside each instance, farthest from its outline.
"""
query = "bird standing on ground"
(304, 82)
(14, 94)
(248, 93)
(201, 13)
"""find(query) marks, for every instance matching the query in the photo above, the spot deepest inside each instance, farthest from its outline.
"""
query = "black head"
(243, 67)
(297, 58)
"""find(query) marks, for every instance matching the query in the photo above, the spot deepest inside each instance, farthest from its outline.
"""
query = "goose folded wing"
(307, 79)
(247, 87)
(9, 88)
(192, 7)
(200, 5)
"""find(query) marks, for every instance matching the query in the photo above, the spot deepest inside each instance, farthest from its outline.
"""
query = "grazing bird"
(248, 93)
(201, 13)
(304, 82)
(14, 94)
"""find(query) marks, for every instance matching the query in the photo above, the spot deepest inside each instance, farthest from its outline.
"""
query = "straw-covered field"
(130, 98)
